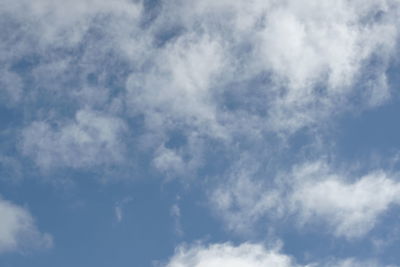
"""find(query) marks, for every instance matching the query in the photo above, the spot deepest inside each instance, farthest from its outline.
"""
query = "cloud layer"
(222, 71)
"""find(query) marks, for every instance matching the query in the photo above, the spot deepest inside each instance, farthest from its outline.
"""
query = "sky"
(202, 133)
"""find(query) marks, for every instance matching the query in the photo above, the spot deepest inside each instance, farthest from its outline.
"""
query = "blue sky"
(199, 133)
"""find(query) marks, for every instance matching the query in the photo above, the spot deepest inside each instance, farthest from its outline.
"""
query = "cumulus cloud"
(92, 139)
(315, 194)
(351, 209)
(18, 231)
(247, 255)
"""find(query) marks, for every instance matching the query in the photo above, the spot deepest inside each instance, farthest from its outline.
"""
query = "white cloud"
(18, 231)
(216, 255)
(243, 200)
(205, 78)
(92, 139)
(230, 71)
(43, 38)
(315, 52)
(177, 89)
(347, 206)
(350, 208)
(167, 159)
(247, 255)
(180, 161)
(65, 23)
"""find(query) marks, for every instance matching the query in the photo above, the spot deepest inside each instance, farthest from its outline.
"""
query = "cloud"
(314, 55)
(66, 24)
(175, 213)
(351, 209)
(91, 139)
(243, 200)
(227, 255)
(315, 194)
(177, 90)
(220, 71)
(167, 159)
(18, 231)
(228, 76)
(180, 160)
(247, 255)
(119, 208)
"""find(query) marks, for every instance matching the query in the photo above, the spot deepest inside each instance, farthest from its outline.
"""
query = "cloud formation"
(313, 56)
(247, 255)
(225, 73)
(18, 231)
(314, 194)
(91, 139)
(185, 89)
(351, 209)
(217, 70)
